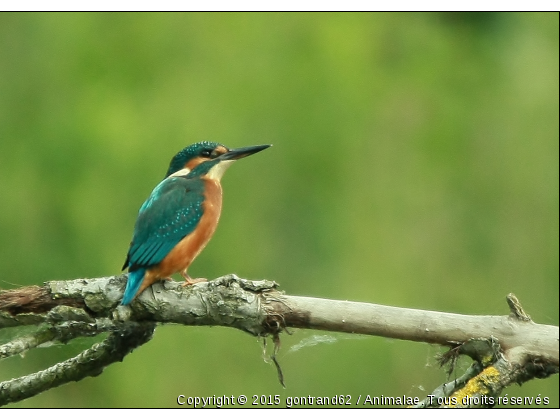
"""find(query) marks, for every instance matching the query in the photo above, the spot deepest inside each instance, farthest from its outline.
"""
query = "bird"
(180, 216)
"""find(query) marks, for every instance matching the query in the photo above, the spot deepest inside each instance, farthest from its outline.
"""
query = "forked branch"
(505, 349)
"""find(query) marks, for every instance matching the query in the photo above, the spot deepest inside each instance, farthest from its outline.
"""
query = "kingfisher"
(180, 216)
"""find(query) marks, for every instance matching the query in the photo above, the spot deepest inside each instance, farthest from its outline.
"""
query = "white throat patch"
(181, 172)
(218, 170)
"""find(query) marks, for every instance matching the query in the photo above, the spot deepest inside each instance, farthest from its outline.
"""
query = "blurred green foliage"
(415, 163)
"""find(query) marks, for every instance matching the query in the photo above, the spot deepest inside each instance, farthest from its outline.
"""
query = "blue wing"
(172, 211)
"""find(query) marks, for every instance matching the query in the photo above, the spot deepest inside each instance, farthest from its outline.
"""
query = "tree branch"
(506, 349)
(90, 362)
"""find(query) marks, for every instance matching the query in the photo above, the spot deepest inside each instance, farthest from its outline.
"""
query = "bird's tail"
(132, 285)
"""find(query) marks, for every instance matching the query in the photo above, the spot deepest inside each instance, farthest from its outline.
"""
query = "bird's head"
(215, 168)
(190, 157)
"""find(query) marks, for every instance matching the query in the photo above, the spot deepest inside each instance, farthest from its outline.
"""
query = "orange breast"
(191, 245)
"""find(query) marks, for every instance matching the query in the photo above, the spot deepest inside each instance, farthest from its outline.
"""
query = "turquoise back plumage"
(172, 211)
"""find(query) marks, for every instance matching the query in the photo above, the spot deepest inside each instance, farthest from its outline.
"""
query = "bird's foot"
(194, 281)
(190, 281)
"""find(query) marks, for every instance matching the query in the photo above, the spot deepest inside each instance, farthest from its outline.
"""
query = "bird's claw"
(190, 281)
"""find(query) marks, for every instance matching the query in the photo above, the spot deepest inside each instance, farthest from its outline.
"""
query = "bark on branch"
(505, 349)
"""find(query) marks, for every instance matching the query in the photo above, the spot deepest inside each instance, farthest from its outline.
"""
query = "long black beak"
(242, 152)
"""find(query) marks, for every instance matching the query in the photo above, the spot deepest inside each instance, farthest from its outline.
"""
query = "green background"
(415, 164)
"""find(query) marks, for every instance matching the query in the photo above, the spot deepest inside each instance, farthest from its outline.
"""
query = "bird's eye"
(206, 153)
